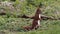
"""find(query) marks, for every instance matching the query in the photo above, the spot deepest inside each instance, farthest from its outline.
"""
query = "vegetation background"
(10, 24)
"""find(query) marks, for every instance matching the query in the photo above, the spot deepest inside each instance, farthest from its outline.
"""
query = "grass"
(13, 25)
(48, 27)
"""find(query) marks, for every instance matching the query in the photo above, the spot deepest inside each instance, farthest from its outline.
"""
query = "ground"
(10, 24)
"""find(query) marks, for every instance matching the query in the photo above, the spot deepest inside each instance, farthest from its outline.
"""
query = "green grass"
(9, 24)
(48, 27)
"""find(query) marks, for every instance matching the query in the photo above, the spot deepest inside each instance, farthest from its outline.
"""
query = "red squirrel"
(36, 21)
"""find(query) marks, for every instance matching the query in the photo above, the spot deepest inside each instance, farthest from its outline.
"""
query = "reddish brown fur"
(27, 28)
(36, 18)
(35, 21)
